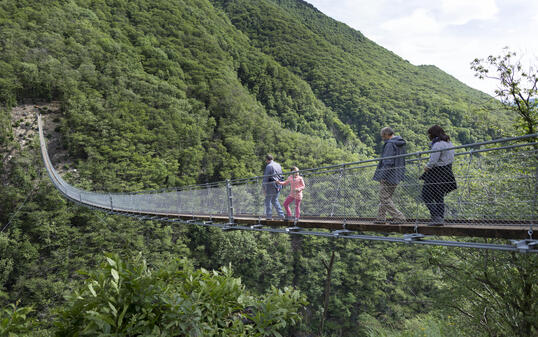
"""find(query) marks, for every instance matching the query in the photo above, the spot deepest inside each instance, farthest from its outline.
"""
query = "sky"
(449, 34)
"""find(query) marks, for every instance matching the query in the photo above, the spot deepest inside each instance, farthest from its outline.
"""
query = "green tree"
(494, 292)
(517, 88)
(14, 320)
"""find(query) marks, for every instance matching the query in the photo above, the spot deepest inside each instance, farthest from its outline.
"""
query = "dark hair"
(437, 132)
(268, 157)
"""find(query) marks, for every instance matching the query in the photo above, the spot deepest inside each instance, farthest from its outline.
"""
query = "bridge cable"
(21, 206)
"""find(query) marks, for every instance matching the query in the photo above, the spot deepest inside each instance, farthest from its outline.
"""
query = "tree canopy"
(159, 93)
(517, 87)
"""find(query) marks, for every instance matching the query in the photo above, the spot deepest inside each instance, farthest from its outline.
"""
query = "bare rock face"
(25, 131)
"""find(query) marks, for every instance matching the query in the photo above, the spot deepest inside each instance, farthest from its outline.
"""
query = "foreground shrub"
(126, 298)
(14, 320)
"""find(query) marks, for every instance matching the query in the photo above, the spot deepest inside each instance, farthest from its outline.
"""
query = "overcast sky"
(446, 33)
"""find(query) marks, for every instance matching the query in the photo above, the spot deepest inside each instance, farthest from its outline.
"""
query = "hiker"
(272, 174)
(297, 186)
(389, 173)
(438, 176)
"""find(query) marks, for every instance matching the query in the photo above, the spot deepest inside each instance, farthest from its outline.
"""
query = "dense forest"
(150, 94)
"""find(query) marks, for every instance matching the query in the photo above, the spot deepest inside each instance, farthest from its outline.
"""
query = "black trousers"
(434, 198)
(438, 182)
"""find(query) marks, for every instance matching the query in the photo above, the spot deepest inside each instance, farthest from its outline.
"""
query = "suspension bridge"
(496, 198)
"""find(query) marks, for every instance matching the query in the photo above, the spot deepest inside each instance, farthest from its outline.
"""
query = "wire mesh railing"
(496, 185)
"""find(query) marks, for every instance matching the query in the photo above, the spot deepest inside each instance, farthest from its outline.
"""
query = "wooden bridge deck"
(499, 229)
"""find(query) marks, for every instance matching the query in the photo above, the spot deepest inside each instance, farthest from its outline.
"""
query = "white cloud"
(446, 33)
(419, 22)
(460, 12)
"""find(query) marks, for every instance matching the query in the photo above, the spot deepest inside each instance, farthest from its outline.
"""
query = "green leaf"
(122, 314)
(111, 262)
(115, 275)
(90, 286)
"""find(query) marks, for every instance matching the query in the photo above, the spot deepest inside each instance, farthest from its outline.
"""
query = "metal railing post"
(258, 198)
(193, 200)
(344, 196)
(230, 202)
(208, 199)
(337, 192)
(534, 202)
(178, 201)
(342, 182)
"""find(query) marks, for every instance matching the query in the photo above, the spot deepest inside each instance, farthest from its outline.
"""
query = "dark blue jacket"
(272, 173)
(393, 169)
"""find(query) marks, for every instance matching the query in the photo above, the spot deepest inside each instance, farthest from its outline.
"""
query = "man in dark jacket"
(272, 173)
(389, 173)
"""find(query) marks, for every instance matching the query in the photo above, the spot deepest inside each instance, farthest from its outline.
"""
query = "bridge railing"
(496, 184)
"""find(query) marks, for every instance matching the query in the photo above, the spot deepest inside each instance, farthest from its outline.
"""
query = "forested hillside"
(156, 89)
(163, 93)
(366, 85)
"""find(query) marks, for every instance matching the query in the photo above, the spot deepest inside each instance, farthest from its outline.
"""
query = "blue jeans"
(272, 199)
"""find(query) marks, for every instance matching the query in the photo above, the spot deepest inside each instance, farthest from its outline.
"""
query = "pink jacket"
(297, 186)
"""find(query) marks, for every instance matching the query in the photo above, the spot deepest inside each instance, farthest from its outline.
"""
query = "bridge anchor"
(525, 245)
(413, 237)
(342, 232)
(229, 228)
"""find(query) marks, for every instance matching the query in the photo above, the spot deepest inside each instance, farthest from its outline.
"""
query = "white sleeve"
(434, 156)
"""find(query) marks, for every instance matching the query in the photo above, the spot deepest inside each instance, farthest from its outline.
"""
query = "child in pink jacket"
(296, 192)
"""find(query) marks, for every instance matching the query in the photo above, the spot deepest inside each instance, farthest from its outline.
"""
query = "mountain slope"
(162, 93)
(157, 93)
(175, 92)
(364, 83)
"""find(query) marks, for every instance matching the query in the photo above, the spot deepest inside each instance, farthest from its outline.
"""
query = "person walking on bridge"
(438, 176)
(389, 173)
(272, 174)
(297, 186)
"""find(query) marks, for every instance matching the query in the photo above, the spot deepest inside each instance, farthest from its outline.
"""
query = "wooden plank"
(452, 228)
